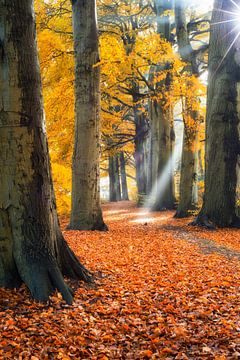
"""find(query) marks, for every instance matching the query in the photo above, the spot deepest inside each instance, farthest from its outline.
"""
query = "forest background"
(132, 46)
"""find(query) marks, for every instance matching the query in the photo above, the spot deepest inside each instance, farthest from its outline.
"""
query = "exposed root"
(100, 227)
(43, 279)
(71, 266)
(203, 221)
(58, 283)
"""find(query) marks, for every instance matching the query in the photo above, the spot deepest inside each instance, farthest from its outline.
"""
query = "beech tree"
(124, 185)
(130, 19)
(32, 248)
(161, 121)
(86, 211)
(114, 179)
(188, 181)
(222, 137)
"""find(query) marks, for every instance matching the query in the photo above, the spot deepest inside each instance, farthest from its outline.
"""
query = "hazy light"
(235, 20)
(164, 178)
(143, 220)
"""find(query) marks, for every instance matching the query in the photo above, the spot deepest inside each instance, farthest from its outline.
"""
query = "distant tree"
(86, 211)
(32, 248)
(114, 178)
(124, 186)
(161, 119)
(130, 19)
(189, 164)
(222, 136)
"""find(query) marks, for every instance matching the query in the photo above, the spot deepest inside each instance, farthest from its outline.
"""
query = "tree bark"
(86, 211)
(162, 132)
(189, 164)
(189, 176)
(32, 248)
(140, 154)
(123, 176)
(114, 179)
(162, 135)
(222, 137)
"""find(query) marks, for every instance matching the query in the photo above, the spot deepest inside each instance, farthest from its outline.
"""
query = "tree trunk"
(32, 248)
(162, 137)
(114, 179)
(140, 154)
(161, 184)
(86, 211)
(222, 137)
(123, 176)
(188, 181)
(189, 164)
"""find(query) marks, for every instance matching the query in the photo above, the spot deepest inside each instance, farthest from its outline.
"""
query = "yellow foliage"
(62, 186)
(124, 65)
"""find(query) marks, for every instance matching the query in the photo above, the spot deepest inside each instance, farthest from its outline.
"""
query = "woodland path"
(164, 290)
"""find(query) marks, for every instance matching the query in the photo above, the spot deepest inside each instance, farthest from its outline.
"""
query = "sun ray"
(230, 32)
(226, 54)
(237, 6)
(224, 21)
(226, 12)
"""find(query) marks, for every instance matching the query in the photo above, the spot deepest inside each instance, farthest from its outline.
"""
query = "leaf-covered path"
(164, 290)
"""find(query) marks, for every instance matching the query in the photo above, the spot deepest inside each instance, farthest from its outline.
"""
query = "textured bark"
(189, 164)
(163, 23)
(162, 137)
(222, 137)
(114, 179)
(140, 154)
(189, 175)
(162, 132)
(123, 176)
(86, 211)
(32, 248)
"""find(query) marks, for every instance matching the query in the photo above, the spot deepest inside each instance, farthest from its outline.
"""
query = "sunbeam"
(235, 14)
(164, 178)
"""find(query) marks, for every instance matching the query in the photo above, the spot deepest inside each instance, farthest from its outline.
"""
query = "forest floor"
(164, 290)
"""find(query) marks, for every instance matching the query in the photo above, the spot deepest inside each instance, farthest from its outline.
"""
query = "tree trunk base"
(203, 221)
(44, 275)
(236, 223)
(180, 214)
(70, 265)
(206, 222)
(44, 280)
(84, 227)
(162, 208)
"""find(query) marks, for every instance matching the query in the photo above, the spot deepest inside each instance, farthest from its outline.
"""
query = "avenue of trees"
(145, 60)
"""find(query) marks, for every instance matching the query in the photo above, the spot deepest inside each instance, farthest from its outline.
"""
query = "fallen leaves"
(158, 296)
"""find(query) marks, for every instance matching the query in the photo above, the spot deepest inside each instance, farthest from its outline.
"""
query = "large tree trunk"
(86, 211)
(32, 248)
(114, 179)
(123, 176)
(222, 138)
(189, 164)
(161, 184)
(188, 181)
(162, 137)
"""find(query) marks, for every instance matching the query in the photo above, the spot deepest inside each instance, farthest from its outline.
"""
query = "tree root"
(101, 227)
(70, 265)
(42, 279)
(203, 221)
